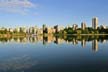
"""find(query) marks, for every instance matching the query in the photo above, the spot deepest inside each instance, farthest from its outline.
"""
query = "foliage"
(88, 30)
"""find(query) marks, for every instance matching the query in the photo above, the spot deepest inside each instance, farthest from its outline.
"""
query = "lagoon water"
(53, 54)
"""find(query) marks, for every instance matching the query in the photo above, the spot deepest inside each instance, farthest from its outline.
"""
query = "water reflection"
(59, 40)
(95, 45)
(16, 64)
(59, 56)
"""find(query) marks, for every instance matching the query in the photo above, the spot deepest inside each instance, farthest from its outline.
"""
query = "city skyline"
(51, 12)
(57, 30)
(94, 24)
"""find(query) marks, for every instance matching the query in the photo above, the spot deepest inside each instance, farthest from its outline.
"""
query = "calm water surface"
(53, 54)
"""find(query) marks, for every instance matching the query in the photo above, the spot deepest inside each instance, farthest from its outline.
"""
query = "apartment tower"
(94, 23)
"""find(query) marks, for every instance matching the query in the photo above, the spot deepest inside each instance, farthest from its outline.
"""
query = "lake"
(54, 54)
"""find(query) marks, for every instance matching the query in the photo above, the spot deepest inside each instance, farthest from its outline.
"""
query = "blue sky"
(52, 12)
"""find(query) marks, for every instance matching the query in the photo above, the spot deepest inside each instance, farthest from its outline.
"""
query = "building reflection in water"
(95, 45)
(83, 43)
(59, 40)
(75, 41)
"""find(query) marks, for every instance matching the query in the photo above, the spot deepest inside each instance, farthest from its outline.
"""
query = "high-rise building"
(23, 29)
(17, 29)
(95, 23)
(83, 25)
(56, 28)
(75, 26)
(30, 30)
(45, 29)
(10, 30)
(40, 31)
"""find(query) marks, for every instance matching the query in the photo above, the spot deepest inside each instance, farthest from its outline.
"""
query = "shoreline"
(9, 35)
(87, 34)
(80, 34)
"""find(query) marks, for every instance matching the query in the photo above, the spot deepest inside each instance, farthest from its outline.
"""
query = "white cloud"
(17, 6)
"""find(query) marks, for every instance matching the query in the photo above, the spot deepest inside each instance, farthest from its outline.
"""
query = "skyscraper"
(56, 28)
(75, 26)
(83, 25)
(45, 29)
(95, 23)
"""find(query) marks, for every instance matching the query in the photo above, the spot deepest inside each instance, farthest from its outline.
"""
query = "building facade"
(83, 25)
(75, 26)
(95, 22)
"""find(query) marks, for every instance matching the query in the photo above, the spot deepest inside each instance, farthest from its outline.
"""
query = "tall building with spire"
(95, 22)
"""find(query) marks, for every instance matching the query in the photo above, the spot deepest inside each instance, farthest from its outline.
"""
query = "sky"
(26, 13)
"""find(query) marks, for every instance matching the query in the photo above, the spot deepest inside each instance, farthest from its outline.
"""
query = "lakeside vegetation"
(79, 31)
(65, 31)
(6, 33)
